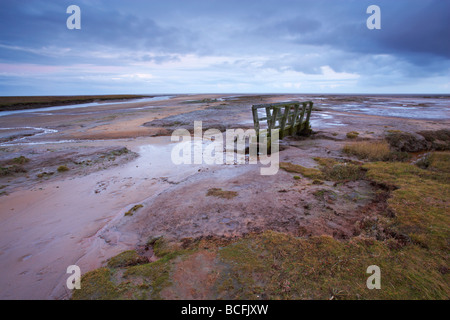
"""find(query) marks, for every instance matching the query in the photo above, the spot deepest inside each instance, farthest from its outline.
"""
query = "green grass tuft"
(217, 192)
(133, 209)
(370, 150)
(21, 160)
(352, 134)
(330, 169)
(306, 172)
(62, 168)
(96, 285)
(126, 259)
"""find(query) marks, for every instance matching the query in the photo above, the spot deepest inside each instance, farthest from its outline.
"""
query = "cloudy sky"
(224, 46)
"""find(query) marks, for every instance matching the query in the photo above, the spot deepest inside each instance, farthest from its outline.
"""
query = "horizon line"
(219, 93)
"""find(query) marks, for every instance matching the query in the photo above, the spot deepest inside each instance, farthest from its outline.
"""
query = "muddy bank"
(217, 117)
(279, 203)
(219, 113)
(53, 223)
(21, 103)
(78, 216)
(31, 168)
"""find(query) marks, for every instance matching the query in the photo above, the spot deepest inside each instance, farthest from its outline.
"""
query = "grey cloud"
(284, 35)
(295, 28)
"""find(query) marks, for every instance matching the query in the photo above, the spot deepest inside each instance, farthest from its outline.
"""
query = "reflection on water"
(410, 108)
(82, 105)
(323, 120)
(31, 132)
(39, 143)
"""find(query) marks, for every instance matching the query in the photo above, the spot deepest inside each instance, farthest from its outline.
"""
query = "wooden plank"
(296, 114)
(269, 112)
(308, 114)
(283, 120)
(279, 104)
(256, 120)
(302, 115)
(273, 121)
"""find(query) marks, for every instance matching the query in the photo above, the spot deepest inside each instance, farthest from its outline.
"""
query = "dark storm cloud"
(34, 26)
(424, 31)
(415, 26)
(232, 37)
(410, 28)
(292, 29)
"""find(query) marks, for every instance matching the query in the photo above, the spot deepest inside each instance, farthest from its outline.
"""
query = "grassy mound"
(217, 192)
(329, 169)
(374, 151)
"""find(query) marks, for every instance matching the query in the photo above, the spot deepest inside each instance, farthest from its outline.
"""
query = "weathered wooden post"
(305, 128)
(295, 122)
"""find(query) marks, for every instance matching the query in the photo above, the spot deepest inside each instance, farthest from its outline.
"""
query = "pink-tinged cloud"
(31, 69)
(90, 68)
(35, 69)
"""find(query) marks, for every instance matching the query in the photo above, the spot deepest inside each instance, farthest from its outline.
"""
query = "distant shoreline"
(12, 103)
(35, 102)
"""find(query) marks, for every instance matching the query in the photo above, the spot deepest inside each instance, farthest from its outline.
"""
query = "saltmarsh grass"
(369, 150)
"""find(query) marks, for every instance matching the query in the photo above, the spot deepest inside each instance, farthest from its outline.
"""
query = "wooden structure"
(289, 118)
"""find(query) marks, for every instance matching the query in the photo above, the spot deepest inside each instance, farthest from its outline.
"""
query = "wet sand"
(77, 217)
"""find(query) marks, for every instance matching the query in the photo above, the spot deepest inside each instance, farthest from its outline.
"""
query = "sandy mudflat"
(51, 219)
